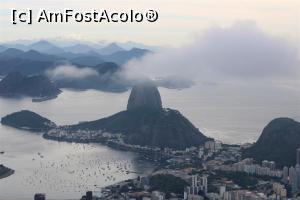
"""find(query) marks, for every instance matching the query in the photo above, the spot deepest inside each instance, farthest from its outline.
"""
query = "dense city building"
(221, 174)
(291, 175)
(197, 185)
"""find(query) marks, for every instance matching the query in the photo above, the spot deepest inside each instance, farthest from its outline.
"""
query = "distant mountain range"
(37, 57)
(29, 63)
(278, 142)
(2, 48)
(40, 57)
(79, 48)
(121, 57)
(26, 55)
(68, 44)
(46, 47)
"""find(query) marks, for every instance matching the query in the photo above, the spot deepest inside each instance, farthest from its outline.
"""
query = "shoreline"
(147, 154)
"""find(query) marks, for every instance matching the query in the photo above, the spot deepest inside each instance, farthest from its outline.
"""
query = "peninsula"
(145, 123)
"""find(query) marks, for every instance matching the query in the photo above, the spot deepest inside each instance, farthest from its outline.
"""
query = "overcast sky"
(180, 21)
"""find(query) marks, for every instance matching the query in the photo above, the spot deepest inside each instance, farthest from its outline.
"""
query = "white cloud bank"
(70, 72)
(239, 52)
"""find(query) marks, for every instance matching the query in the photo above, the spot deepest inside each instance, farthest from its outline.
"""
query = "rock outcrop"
(144, 95)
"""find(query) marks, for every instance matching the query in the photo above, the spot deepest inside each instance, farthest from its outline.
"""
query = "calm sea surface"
(232, 114)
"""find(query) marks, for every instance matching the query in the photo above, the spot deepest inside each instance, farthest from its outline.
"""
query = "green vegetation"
(278, 142)
(167, 183)
(160, 128)
(242, 179)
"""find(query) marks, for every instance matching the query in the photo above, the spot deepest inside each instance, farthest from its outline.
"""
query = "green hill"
(27, 120)
(278, 142)
(160, 128)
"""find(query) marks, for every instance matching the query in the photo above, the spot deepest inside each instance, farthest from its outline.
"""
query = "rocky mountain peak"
(144, 94)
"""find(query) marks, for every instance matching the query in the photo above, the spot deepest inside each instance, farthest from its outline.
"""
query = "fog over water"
(232, 113)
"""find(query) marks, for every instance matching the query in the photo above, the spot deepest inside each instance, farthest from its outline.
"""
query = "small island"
(27, 120)
(5, 171)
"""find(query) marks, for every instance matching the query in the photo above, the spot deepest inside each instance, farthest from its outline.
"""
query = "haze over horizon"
(179, 22)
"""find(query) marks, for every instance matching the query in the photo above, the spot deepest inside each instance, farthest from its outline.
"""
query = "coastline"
(153, 155)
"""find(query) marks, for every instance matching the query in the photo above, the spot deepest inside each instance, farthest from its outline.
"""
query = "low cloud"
(240, 52)
(70, 72)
